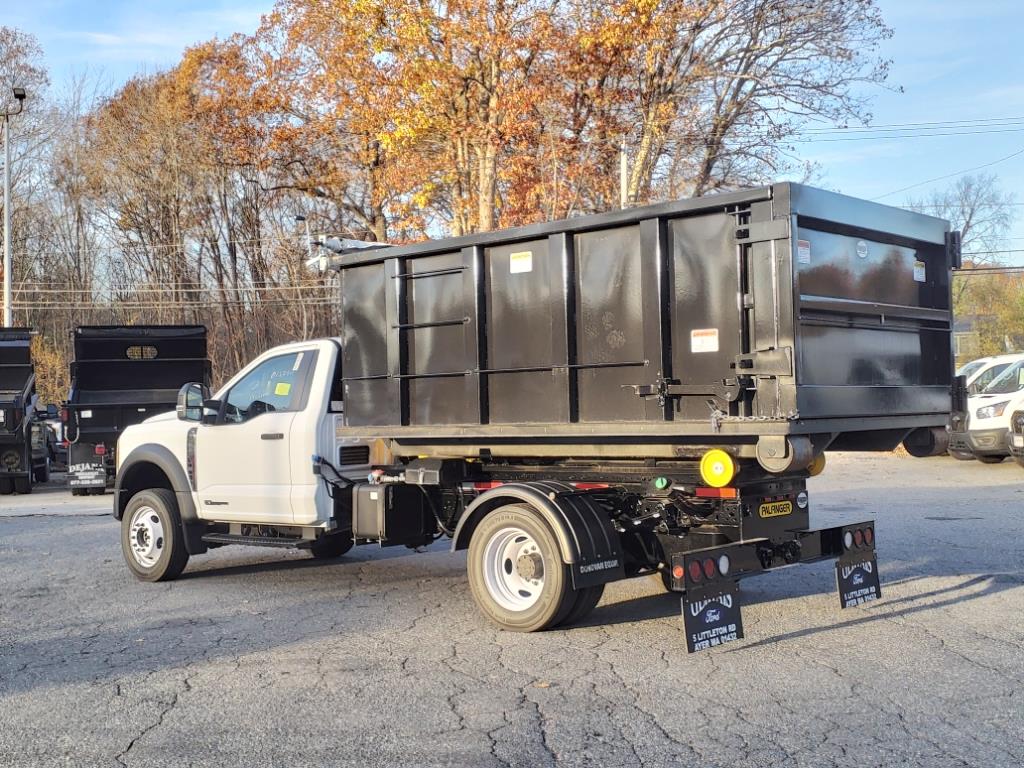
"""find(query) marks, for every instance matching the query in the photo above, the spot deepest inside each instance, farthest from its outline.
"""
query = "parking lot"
(264, 657)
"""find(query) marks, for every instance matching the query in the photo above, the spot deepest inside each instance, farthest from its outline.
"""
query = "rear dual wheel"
(517, 576)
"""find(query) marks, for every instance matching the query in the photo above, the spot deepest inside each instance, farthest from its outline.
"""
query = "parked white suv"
(984, 434)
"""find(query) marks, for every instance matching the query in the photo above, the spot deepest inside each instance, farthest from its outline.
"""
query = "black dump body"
(17, 376)
(122, 375)
(17, 381)
(772, 313)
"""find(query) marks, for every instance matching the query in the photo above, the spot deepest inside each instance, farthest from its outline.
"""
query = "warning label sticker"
(919, 271)
(803, 251)
(704, 340)
(520, 262)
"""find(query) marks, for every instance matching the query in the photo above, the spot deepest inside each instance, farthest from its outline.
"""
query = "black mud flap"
(857, 578)
(711, 615)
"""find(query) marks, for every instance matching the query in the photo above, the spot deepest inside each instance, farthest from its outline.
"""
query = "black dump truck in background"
(122, 375)
(25, 440)
(644, 392)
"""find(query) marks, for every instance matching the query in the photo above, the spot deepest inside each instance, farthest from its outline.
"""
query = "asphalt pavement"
(262, 657)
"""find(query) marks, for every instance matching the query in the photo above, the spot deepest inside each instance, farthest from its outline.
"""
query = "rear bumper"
(754, 556)
(985, 442)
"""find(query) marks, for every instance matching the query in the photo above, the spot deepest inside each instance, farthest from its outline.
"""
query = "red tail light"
(101, 450)
(678, 572)
(869, 536)
(487, 485)
(709, 568)
(858, 537)
(695, 571)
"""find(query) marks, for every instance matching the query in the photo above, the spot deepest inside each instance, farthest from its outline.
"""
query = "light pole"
(19, 95)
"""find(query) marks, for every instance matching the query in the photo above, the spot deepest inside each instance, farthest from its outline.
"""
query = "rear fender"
(587, 540)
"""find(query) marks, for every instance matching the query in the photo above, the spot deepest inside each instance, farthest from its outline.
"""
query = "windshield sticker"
(282, 389)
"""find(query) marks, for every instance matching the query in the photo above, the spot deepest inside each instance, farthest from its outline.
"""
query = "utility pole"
(623, 176)
(19, 95)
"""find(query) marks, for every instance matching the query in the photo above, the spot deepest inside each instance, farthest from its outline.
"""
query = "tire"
(511, 544)
(78, 491)
(990, 459)
(331, 547)
(1019, 460)
(42, 474)
(152, 539)
(23, 485)
(961, 455)
(586, 601)
(665, 577)
(6, 486)
(95, 491)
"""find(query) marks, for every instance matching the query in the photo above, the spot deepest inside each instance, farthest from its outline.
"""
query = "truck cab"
(247, 450)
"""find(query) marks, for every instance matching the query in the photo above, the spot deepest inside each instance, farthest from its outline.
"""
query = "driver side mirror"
(191, 399)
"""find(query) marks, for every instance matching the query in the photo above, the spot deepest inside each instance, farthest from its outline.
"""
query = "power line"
(950, 175)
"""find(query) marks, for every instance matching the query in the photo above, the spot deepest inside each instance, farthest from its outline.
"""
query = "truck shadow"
(881, 611)
(667, 604)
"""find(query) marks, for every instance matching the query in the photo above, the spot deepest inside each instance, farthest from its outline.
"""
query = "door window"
(277, 384)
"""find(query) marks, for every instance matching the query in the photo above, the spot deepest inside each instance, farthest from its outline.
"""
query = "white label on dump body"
(920, 273)
(803, 251)
(520, 262)
(704, 340)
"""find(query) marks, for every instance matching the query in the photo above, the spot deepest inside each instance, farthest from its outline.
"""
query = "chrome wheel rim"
(513, 569)
(146, 536)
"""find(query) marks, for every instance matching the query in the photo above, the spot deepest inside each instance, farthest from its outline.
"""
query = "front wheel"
(152, 539)
(516, 573)
(23, 485)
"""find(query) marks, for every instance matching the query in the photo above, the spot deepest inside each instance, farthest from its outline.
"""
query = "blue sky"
(954, 60)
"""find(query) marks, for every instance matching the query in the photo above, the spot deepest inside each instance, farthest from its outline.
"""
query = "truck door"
(243, 463)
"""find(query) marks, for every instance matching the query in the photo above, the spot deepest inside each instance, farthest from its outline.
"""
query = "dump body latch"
(766, 362)
(728, 391)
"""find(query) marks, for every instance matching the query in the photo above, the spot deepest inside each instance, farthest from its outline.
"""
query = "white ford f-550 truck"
(643, 392)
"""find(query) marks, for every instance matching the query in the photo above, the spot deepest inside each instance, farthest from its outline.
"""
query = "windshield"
(1010, 380)
(968, 368)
